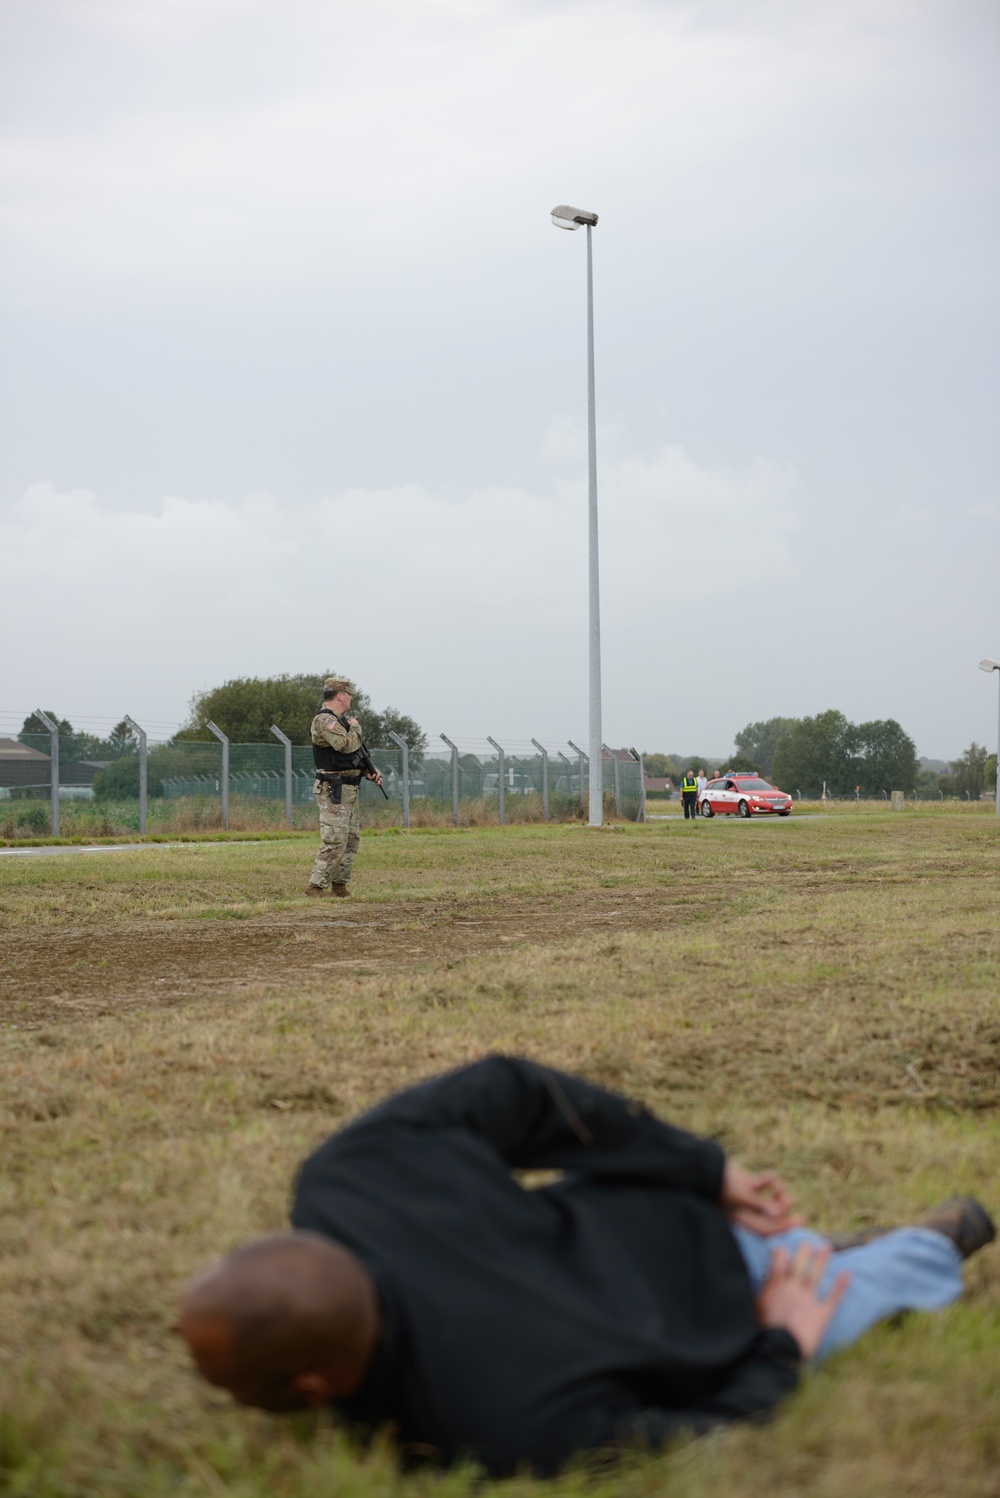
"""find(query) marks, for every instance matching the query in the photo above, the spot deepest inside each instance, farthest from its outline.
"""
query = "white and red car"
(743, 796)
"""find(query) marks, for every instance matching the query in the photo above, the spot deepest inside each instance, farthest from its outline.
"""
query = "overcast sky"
(294, 366)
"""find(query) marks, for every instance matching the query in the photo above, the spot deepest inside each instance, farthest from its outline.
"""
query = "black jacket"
(522, 1327)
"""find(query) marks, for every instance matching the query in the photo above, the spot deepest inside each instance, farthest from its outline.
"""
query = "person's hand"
(759, 1202)
(354, 722)
(377, 777)
(790, 1297)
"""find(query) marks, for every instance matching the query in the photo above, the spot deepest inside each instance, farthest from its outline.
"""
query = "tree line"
(800, 754)
(244, 709)
(972, 773)
(806, 754)
(674, 766)
(874, 758)
(75, 746)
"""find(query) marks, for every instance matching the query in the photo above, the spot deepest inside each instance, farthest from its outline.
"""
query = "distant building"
(81, 771)
(21, 765)
(658, 785)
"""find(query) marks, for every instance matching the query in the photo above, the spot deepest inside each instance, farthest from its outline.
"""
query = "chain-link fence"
(467, 780)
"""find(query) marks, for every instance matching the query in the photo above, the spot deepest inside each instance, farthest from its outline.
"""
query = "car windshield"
(753, 783)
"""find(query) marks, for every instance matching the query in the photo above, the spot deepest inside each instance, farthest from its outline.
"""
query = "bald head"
(285, 1322)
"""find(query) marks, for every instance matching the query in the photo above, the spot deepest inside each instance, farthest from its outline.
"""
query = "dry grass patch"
(825, 1000)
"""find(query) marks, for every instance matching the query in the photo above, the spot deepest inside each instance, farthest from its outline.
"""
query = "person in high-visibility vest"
(689, 795)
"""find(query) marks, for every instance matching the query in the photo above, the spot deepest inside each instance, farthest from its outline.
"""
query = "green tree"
(969, 774)
(245, 708)
(817, 750)
(377, 727)
(927, 785)
(119, 781)
(884, 757)
(33, 725)
(756, 744)
(72, 745)
(122, 739)
(876, 756)
(660, 764)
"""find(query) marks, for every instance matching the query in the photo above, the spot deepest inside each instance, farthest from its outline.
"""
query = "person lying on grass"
(655, 1288)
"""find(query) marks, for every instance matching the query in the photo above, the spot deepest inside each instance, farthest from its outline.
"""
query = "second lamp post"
(565, 217)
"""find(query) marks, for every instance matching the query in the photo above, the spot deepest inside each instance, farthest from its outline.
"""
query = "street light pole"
(565, 217)
(988, 665)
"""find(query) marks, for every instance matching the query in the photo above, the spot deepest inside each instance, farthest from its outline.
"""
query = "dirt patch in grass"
(180, 1028)
(70, 972)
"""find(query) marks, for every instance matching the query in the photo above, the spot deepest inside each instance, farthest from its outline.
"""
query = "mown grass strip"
(828, 1003)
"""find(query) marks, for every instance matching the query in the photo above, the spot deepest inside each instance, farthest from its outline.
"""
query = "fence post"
(143, 785)
(569, 769)
(288, 770)
(545, 777)
(642, 785)
(582, 757)
(618, 778)
(500, 778)
(224, 780)
(454, 777)
(404, 746)
(53, 765)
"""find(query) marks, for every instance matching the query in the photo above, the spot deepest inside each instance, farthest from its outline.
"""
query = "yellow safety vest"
(689, 785)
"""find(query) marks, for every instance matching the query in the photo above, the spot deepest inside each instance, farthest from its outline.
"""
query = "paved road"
(676, 816)
(118, 848)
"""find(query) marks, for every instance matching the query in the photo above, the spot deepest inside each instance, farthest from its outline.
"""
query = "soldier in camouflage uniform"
(338, 778)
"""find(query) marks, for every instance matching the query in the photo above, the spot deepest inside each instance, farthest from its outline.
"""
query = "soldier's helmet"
(335, 684)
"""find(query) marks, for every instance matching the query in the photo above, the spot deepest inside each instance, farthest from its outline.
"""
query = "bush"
(34, 819)
(120, 781)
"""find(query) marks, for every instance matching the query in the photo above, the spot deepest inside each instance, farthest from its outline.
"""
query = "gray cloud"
(259, 255)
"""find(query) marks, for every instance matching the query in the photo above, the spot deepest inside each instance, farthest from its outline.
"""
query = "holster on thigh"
(334, 786)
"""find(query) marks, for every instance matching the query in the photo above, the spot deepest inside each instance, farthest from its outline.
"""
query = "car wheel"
(744, 809)
(706, 810)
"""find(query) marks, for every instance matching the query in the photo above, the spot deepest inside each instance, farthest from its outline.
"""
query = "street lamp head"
(988, 665)
(565, 217)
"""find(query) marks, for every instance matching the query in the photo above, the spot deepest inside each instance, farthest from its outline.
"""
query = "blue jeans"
(911, 1269)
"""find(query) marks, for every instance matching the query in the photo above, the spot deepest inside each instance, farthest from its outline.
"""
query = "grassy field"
(180, 1026)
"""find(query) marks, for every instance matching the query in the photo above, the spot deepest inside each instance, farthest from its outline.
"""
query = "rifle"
(364, 758)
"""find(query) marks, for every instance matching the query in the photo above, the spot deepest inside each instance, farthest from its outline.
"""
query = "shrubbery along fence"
(463, 772)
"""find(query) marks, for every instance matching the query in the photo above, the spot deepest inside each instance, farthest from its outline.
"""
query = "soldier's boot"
(315, 889)
(964, 1220)
(340, 890)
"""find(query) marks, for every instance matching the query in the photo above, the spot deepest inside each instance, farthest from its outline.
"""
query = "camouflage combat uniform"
(339, 826)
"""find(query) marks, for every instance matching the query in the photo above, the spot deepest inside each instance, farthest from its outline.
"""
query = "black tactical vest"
(325, 757)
